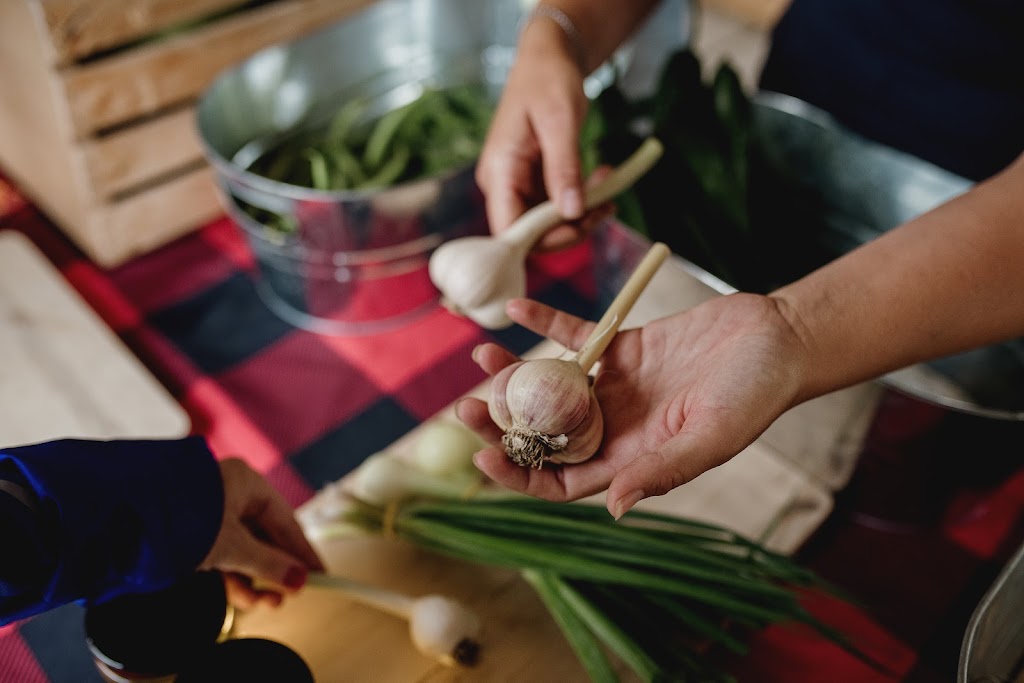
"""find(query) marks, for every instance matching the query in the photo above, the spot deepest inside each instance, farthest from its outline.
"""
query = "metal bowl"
(993, 647)
(355, 261)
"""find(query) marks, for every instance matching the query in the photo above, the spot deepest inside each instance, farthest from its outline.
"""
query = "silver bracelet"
(566, 24)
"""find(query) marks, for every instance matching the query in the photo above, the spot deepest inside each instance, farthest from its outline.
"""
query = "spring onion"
(663, 595)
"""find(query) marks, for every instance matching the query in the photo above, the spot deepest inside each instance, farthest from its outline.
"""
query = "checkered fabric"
(305, 409)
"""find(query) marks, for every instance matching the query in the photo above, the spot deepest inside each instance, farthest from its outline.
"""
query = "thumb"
(677, 461)
(263, 562)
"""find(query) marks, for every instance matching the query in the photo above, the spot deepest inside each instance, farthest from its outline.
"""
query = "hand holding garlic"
(547, 408)
(678, 396)
(478, 275)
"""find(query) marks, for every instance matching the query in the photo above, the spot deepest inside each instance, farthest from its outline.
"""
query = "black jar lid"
(158, 634)
(253, 660)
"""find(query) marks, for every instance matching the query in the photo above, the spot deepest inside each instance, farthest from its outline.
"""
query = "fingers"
(473, 413)
(568, 330)
(492, 358)
(243, 595)
(262, 562)
(505, 171)
(558, 483)
(682, 458)
(259, 536)
(567, 235)
(277, 521)
(559, 142)
(267, 513)
(503, 205)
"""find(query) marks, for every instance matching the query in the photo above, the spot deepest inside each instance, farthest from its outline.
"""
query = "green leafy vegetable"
(713, 198)
(441, 130)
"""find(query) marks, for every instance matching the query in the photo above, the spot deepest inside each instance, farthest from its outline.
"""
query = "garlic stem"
(532, 225)
(440, 627)
(609, 324)
(392, 602)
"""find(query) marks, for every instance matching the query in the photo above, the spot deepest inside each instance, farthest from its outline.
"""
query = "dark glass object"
(253, 660)
(153, 636)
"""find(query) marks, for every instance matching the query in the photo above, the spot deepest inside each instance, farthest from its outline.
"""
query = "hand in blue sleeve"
(88, 520)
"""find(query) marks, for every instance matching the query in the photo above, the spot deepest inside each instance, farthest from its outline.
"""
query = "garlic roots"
(478, 275)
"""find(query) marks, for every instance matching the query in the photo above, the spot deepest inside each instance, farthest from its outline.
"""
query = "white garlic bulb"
(444, 629)
(548, 411)
(478, 275)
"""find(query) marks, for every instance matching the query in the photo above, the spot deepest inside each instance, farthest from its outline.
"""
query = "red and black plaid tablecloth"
(305, 409)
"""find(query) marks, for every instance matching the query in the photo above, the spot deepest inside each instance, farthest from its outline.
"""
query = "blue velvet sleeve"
(89, 520)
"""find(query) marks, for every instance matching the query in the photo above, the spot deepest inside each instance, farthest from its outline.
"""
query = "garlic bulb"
(444, 629)
(548, 412)
(478, 275)
(446, 448)
(440, 627)
(547, 407)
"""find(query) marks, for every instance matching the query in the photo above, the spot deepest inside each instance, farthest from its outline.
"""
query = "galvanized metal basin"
(356, 261)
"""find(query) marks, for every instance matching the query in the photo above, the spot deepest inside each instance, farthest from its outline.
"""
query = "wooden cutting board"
(64, 372)
(759, 489)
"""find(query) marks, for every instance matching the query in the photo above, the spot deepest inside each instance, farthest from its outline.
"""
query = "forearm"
(603, 26)
(100, 518)
(950, 280)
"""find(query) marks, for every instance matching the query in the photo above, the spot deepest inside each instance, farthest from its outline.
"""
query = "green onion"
(663, 595)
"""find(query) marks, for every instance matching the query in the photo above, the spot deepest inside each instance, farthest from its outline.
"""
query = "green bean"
(318, 170)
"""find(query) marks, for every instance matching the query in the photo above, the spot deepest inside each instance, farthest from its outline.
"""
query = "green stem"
(609, 632)
(582, 640)
(517, 554)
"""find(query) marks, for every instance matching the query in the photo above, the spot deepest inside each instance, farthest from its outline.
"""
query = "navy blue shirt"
(940, 79)
(89, 520)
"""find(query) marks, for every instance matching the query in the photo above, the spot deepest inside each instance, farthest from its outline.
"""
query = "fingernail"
(295, 578)
(476, 352)
(627, 502)
(570, 203)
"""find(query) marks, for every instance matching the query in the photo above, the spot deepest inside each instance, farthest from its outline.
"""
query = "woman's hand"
(679, 396)
(259, 540)
(532, 148)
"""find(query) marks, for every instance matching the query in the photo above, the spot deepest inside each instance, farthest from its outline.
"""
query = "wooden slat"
(79, 28)
(159, 75)
(152, 218)
(34, 126)
(131, 156)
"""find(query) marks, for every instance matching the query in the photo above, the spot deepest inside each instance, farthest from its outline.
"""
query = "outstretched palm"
(679, 396)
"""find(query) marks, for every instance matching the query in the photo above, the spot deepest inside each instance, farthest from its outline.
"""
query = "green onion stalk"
(663, 595)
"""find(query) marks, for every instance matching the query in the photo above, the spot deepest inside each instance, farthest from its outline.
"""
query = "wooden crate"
(97, 105)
